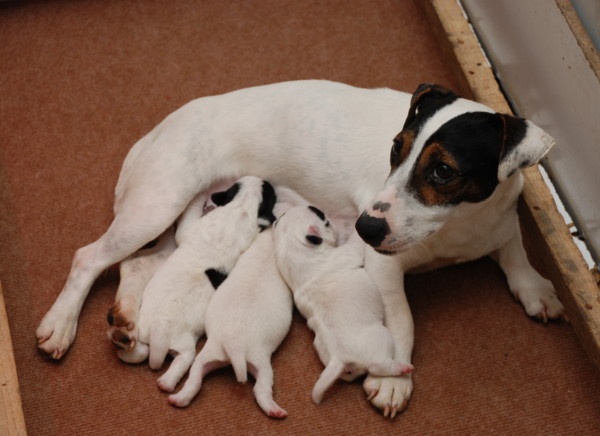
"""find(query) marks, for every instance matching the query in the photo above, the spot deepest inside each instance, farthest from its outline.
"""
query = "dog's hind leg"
(263, 388)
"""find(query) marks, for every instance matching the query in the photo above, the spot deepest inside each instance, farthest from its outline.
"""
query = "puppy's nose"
(372, 230)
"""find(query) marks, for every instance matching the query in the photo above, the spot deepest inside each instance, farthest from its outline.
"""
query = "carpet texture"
(81, 81)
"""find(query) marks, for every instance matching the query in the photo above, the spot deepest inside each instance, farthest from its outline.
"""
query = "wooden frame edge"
(543, 224)
(12, 420)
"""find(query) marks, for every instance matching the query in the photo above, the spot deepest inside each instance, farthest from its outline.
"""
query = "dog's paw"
(122, 331)
(55, 335)
(540, 300)
(388, 394)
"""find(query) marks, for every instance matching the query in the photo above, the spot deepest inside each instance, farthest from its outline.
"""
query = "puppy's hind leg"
(181, 363)
(263, 388)
(209, 359)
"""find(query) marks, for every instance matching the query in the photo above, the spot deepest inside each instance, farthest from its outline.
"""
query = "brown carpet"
(81, 81)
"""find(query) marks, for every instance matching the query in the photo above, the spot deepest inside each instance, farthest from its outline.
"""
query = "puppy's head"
(253, 192)
(451, 152)
(305, 226)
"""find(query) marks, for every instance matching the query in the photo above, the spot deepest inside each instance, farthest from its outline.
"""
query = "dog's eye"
(443, 174)
(396, 148)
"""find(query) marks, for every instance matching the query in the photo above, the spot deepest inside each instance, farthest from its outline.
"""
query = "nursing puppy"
(246, 321)
(135, 273)
(450, 195)
(174, 302)
(337, 297)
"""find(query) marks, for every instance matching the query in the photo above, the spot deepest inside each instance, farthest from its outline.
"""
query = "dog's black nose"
(372, 230)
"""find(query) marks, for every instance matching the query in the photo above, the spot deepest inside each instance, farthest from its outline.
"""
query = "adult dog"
(450, 196)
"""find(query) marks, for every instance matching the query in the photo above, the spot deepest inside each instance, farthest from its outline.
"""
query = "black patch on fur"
(224, 197)
(371, 229)
(382, 206)
(215, 276)
(318, 212)
(477, 141)
(265, 210)
(315, 240)
(426, 101)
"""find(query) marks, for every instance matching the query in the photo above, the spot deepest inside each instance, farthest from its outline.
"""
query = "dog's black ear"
(224, 197)
(426, 100)
(265, 210)
(522, 144)
(314, 239)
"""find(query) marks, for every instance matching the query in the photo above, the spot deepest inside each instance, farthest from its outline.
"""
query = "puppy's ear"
(523, 144)
(265, 210)
(313, 235)
(224, 197)
(427, 99)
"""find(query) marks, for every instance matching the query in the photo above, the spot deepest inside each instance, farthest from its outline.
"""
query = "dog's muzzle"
(372, 230)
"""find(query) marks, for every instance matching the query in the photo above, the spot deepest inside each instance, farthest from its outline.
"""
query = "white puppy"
(135, 273)
(337, 297)
(175, 300)
(246, 321)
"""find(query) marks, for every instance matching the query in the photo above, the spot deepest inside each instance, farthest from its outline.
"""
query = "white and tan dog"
(246, 321)
(337, 297)
(331, 143)
(174, 302)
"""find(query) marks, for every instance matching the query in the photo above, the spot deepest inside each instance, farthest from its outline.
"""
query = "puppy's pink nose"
(372, 230)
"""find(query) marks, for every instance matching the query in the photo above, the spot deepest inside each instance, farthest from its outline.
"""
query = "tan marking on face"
(407, 139)
(432, 192)
(429, 191)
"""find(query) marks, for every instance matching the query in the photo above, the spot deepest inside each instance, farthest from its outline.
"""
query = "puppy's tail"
(159, 345)
(334, 369)
(236, 353)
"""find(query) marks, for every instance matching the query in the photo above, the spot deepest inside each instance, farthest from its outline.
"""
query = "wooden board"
(543, 224)
(12, 421)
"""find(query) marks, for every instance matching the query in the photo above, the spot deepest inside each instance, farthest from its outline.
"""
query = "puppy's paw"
(122, 321)
(539, 300)
(55, 334)
(388, 394)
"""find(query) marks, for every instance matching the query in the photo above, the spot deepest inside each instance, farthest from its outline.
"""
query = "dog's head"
(307, 226)
(252, 191)
(450, 152)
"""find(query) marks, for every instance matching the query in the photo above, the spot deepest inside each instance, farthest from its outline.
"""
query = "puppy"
(246, 321)
(337, 297)
(135, 273)
(450, 196)
(175, 299)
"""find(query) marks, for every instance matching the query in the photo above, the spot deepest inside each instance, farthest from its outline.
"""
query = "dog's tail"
(334, 369)
(390, 368)
(159, 345)
(236, 352)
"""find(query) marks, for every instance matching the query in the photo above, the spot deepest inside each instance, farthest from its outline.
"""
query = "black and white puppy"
(246, 320)
(450, 196)
(337, 297)
(174, 302)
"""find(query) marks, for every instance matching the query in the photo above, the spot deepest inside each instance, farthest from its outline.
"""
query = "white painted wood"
(548, 80)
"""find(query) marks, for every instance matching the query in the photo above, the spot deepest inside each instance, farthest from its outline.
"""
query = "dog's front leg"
(536, 294)
(391, 394)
